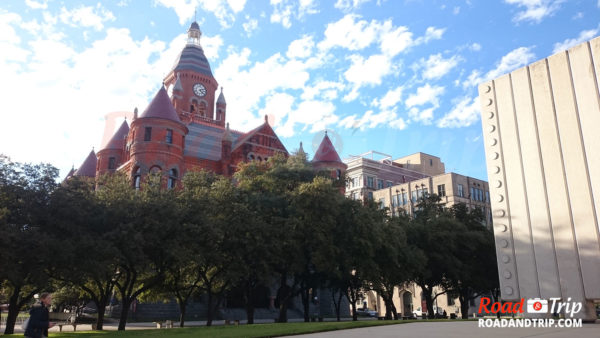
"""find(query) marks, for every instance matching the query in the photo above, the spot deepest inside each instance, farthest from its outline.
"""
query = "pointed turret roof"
(88, 168)
(161, 107)
(227, 134)
(178, 86)
(221, 98)
(326, 152)
(301, 150)
(118, 139)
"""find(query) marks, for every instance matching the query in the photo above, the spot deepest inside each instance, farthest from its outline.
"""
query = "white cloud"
(224, 10)
(368, 71)
(390, 99)
(514, 59)
(285, 10)
(568, 43)
(349, 5)
(250, 25)
(464, 113)
(325, 89)
(371, 120)
(436, 66)
(36, 4)
(425, 94)
(314, 113)
(475, 47)
(424, 116)
(86, 16)
(534, 10)
(353, 33)
(301, 48)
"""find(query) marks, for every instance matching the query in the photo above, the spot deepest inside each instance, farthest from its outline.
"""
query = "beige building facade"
(541, 131)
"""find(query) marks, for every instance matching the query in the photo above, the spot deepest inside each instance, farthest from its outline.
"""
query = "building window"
(461, 192)
(430, 162)
(389, 184)
(169, 136)
(172, 179)
(381, 203)
(370, 195)
(370, 182)
(487, 196)
(414, 196)
(137, 178)
(425, 192)
(450, 300)
(338, 172)
(112, 163)
(148, 134)
(442, 190)
(404, 198)
(379, 184)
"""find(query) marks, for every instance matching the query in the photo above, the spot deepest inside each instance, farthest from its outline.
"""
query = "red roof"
(161, 107)
(118, 139)
(88, 168)
(326, 152)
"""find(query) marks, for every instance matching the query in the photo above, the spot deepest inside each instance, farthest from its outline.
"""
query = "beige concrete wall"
(541, 132)
(424, 163)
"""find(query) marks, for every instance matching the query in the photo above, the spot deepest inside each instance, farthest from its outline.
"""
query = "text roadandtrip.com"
(534, 306)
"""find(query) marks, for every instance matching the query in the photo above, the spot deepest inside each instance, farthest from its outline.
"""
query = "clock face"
(199, 89)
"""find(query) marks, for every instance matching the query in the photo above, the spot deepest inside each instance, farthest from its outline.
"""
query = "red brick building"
(188, 130)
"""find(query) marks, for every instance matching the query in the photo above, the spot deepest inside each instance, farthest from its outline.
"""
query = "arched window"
(172, 182)
(137, 178)
(202, 108)
(338, 174)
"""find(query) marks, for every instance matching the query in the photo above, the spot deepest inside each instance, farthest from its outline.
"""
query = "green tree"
(25, 191)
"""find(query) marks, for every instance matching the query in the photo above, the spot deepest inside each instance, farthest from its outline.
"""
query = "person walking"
(39, 318)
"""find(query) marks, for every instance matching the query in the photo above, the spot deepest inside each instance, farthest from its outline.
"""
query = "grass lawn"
(256, 330)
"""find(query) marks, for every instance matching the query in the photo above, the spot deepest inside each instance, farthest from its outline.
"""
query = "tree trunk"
(125, 303)
(351, 295)
(284, 291)
(249, 303)
(429, 301)
(389, 305)
(305, 305)
(464, 304)
(209, 310)
(182, 308)
(101, 310)
(337, 305)
(13, 311)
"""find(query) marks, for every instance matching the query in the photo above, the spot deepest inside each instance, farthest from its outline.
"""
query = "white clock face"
(199, 89)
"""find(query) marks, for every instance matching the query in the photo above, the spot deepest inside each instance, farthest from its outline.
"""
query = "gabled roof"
(161, 107)
(88, 168)
(265, 128)
(326, 152)
(118, 139)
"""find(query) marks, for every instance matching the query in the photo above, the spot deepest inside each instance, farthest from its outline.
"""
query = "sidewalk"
(460, 329)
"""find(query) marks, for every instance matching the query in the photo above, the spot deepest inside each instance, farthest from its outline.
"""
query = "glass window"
(472, 193)
(169, 136)
(379, 184)
(487, 196)
(389, 184)
(425, 192)
(450, 300)
(370, 182)
(172, 179)
(370, 195)
(381, 203)
(404, 198)
(430, 162)
(419, 194)
(414, 196)
(148, 134)
(461, 193)
(441, 190)
(112, 163)
(137, 178)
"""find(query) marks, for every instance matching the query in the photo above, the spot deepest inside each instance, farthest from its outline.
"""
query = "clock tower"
(192, 84)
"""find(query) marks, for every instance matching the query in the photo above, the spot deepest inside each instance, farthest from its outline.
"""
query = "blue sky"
(395, 76)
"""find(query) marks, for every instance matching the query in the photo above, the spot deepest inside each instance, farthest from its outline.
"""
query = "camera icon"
(537, 305)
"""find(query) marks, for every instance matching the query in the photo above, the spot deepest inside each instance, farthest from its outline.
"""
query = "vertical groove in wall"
(564, 171)
(506, 196)
(519, 147)
(595, 81)
(544, 184)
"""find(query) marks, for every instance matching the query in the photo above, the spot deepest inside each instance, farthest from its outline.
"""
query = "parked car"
(366, 312)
